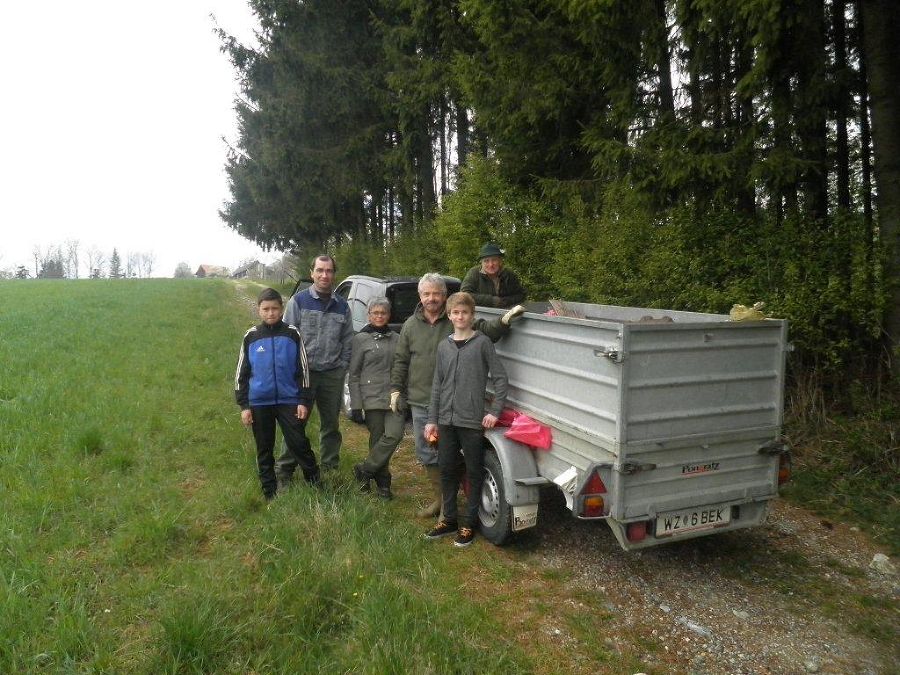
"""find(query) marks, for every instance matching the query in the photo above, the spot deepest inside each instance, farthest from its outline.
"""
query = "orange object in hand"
(432, 438)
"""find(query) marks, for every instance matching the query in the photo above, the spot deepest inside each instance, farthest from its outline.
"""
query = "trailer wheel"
(494, 512)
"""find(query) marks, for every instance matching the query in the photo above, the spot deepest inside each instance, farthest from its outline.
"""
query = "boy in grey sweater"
(466, 360)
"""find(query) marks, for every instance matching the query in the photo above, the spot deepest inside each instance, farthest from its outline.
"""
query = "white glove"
(395, 402)
(513, 313)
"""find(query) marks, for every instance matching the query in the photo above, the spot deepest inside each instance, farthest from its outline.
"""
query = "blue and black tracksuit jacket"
(272, 368)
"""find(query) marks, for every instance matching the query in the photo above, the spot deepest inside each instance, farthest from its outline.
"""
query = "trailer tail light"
(636, 531)
(784, 468)
(592, 503)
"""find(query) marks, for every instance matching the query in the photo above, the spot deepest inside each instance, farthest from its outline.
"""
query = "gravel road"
(766, 600)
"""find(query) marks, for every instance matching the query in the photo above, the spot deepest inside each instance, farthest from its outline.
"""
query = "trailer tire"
(494, 511)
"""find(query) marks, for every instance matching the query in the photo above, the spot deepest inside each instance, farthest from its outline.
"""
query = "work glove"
(744, 313)
(512, 314)
(357, 416)
(395, 402)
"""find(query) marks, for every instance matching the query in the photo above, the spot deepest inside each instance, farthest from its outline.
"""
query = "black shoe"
(465, 537)
(442, 529)
(383, 486)
(362, 478)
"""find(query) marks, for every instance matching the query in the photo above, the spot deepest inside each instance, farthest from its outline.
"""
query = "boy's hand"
(430, 433)
(489, 421)
(302, 412)
(247, 417)
(395, 402)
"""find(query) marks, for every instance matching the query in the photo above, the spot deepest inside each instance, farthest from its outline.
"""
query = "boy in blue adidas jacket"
(272, 384)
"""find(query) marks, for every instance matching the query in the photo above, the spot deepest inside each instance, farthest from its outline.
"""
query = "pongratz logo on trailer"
(694, 469)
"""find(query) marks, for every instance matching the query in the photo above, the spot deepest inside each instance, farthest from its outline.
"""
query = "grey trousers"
(385, 433)
(425, 453)
(327, 388)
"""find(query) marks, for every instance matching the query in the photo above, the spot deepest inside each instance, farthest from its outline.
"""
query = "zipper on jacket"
(274, 370)
(456, 372)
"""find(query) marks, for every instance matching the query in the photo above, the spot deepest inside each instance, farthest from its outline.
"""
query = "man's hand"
(395, 402)
(512, 314)
(247, 417)
(357, 415)
(302, 412)
(489, 421)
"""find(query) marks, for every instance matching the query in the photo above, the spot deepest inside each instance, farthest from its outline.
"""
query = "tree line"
(71, 261)
(676, 153)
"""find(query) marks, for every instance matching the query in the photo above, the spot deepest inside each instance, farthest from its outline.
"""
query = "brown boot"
(437, 506)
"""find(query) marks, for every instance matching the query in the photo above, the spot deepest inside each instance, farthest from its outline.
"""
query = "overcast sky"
(112, 121)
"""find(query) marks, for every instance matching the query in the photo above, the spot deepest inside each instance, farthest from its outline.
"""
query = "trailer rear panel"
(681, 405)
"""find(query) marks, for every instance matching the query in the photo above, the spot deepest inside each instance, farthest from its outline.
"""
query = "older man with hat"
(491, 284)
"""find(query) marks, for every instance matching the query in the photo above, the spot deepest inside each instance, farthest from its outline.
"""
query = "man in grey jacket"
(323, 319)
(412, 371)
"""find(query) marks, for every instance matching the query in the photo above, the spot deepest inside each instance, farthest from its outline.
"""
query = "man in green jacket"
(412, 370)
(490, 283)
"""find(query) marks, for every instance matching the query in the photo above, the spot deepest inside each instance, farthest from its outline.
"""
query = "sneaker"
(442, 529)
(465, 537)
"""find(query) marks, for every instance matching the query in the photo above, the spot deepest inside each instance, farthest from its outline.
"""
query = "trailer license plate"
(691, 520)
(524, 517)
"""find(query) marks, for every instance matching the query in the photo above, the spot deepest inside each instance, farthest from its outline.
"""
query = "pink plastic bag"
(507, 415)
(530, 432)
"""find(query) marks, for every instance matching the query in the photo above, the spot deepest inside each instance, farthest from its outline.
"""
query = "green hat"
(490, 251)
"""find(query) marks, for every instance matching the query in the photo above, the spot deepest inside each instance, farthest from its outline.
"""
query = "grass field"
(133, 535)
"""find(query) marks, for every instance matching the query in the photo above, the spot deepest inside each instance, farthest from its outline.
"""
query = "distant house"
(251, 270)
(206, 271)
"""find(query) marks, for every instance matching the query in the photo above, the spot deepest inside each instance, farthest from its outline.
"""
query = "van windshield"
(404, 299)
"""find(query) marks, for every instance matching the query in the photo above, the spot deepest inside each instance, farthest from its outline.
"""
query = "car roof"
(389, 280)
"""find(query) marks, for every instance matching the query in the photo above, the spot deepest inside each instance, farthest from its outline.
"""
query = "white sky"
(112, 121)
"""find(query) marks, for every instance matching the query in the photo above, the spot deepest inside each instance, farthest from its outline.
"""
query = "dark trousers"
(294, 432)
(327, 390)
(458, 447)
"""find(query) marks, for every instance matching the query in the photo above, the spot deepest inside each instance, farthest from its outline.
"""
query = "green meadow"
(133, 535)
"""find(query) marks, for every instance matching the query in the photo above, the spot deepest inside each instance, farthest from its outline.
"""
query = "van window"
(361, 295)
(403, 302)
(358, 311)
(344, 290)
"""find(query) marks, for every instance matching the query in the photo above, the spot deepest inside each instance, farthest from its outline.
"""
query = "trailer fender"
(518, 464)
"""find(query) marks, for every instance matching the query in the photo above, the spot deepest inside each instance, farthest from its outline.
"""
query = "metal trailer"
(665, 424)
